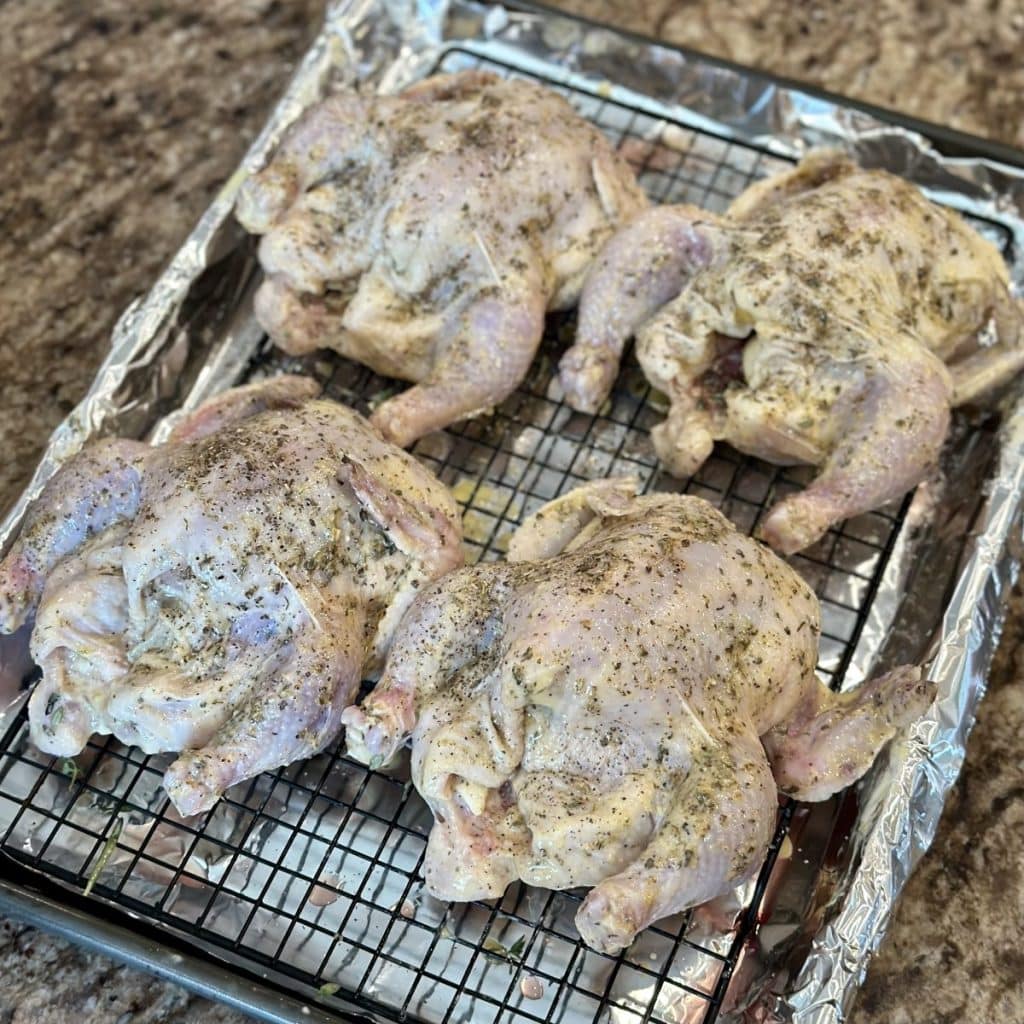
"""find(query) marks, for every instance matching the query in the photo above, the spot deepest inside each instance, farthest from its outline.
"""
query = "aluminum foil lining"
(158, 363)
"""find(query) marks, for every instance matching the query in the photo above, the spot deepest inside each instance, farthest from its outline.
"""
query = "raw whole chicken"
(425, 235)
(832, 317)
(224, 593)
(616, 706)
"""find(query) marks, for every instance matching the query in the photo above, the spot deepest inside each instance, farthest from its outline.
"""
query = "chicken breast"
(617, 706)
(224, 593)
(833, 317)
(425, 235)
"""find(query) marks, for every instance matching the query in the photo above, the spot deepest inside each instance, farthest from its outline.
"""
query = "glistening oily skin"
(834, 316)
(617, 706)
(223, 594)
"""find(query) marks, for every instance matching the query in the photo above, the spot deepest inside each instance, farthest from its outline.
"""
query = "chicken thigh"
(425, 235)
(224, 593)
(616, 707)
(832, 317)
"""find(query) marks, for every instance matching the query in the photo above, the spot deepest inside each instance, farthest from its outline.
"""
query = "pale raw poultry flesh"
(426, 234)
(224, 593)
(617, 706)
(832, 317)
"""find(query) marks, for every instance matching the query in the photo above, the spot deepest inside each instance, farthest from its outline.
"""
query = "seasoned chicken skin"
(617, 707)
(223, 594)
(832, 317)
(425, 235)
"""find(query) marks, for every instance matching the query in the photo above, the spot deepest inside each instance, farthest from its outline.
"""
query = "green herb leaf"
(105, 854)
(495, 948)
(329, 989)
(70, 768)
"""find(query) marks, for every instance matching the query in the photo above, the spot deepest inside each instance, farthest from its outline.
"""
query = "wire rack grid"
(310, 875)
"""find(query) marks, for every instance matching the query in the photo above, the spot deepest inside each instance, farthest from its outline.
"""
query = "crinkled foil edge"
(900, 809)
(388, 43)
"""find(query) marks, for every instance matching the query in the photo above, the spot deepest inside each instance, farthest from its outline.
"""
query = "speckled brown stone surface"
(46, 981)
(954, 62)
(119, 120)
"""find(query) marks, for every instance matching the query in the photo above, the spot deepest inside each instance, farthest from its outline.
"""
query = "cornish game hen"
(223, 594)
(425, 235)
(832, 317)
(616, 707)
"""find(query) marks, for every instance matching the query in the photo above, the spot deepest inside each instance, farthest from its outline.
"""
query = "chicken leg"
(714, 837)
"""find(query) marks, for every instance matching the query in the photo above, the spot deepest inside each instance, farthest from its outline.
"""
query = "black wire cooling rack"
(309, 876)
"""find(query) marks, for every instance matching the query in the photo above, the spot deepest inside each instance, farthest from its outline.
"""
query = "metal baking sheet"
(308, 878)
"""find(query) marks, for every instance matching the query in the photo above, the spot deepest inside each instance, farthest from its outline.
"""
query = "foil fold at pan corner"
(386, 44)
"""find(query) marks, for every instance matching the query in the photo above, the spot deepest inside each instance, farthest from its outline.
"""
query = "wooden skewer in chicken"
(617, 706)
(833, 317)
(224, 593)
(426, 234)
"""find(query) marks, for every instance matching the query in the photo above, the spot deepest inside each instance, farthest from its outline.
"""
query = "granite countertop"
(118, 122)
